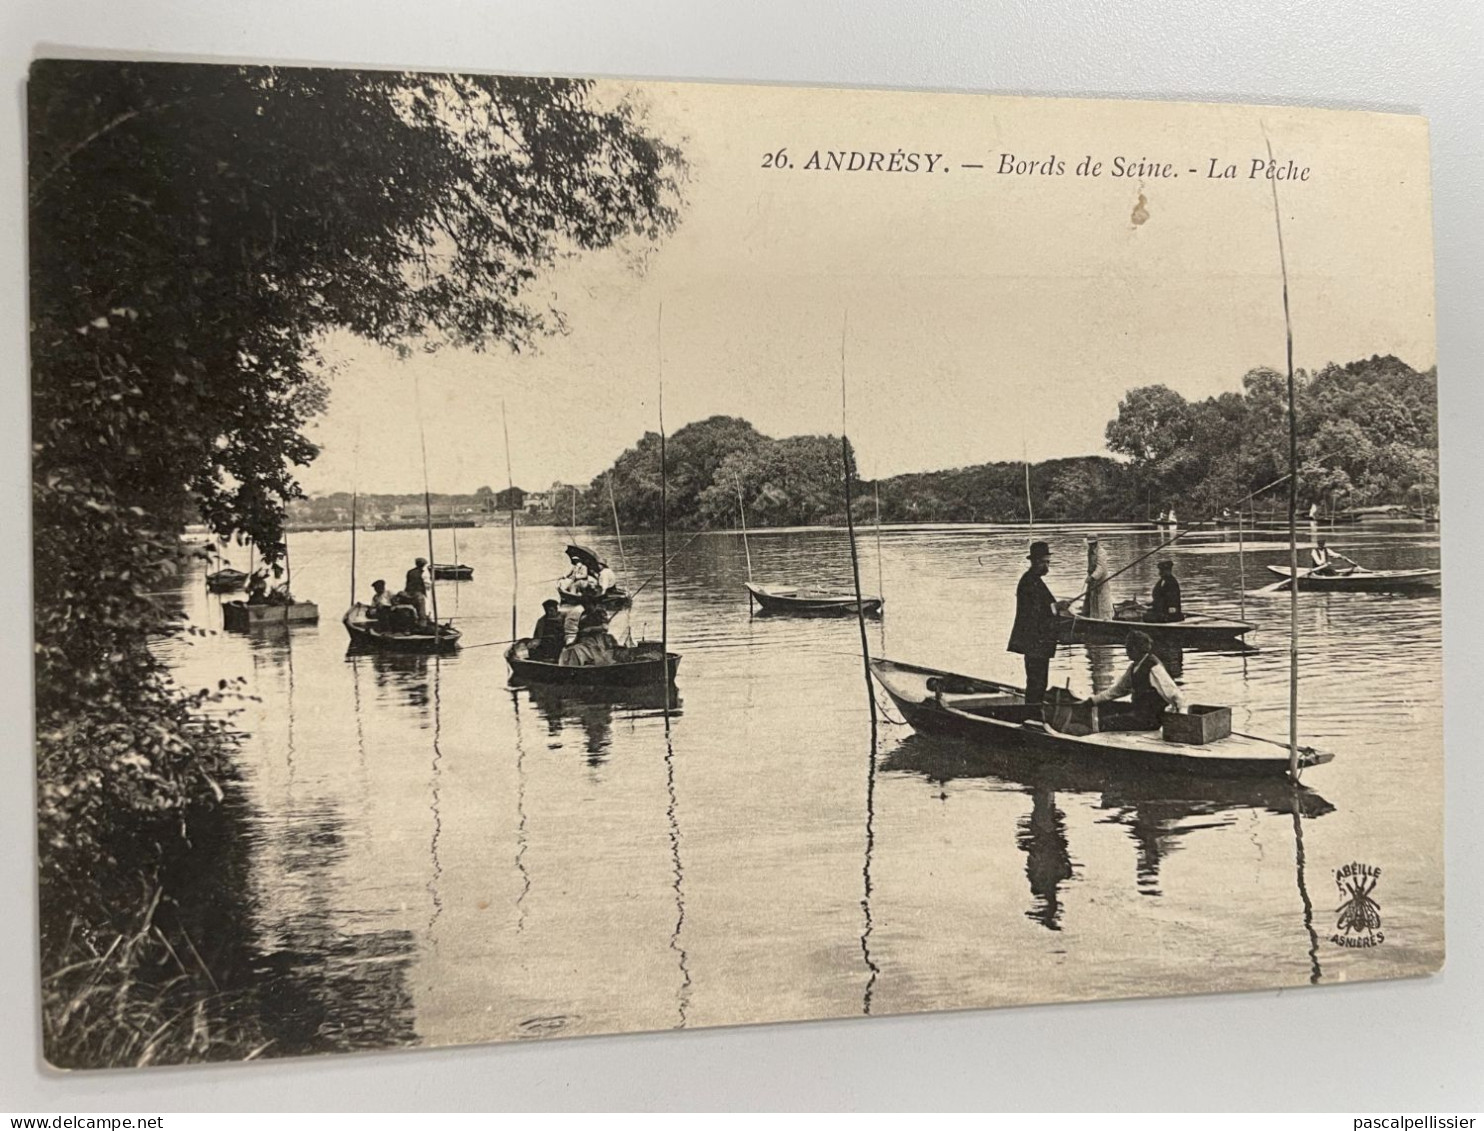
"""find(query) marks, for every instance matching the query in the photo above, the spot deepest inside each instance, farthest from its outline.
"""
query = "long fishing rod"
(514, 558)
(659, 360)
(1293, 650)
(667, 561)
(427, 507)
(617, 532)
(1183, 533)
(855, 565)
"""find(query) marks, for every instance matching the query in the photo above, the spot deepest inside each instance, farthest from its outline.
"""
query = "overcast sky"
(987, 314)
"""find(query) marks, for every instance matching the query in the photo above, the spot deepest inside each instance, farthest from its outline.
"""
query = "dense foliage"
(195, 230)
(790, 482)
(1367, 434)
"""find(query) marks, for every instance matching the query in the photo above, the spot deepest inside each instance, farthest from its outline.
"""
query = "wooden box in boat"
(239, 616)
(997, 716)
(1201, 725)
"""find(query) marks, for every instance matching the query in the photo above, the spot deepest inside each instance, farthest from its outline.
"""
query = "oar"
(1281, 585)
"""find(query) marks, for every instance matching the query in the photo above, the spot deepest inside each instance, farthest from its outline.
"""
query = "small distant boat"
(239, 616)
(645, 663)
(448, 571)
(1364, 580)
(996, 715)
(368, 633)
(226, 580)
(778, 599)
(1195, 629)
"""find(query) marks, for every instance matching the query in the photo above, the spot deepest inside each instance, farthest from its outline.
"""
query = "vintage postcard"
(523, 557)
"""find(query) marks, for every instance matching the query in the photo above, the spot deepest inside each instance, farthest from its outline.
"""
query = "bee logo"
(1358, 917)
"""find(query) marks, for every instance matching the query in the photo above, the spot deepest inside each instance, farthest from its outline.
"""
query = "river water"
(434, 857)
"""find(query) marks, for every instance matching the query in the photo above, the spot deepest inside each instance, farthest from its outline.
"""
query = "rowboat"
(811, 603)
(448, 571)
(1365, 580)
(996, 715)
(239, 616)
(367, 633)
(1195, 629)
(226, 580)
(642, 664)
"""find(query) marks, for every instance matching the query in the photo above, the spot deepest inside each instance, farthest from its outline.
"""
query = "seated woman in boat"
(549, 635)
(607, 579)
(578, 584)
(1147, 684)
(1166, 597)
(594, 647)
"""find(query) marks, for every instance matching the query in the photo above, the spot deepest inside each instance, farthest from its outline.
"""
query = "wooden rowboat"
(226, 580)
(366, 633)
(1365, 580)
(1194, 630)
(642, 664)
(997, 715)
(239, 616)
(778, 599)
(448, 571)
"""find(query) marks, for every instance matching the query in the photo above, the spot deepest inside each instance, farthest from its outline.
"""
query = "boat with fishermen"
(933, 701)
(811, 602)
(397, 629)
(642, 664)
(1360, 579)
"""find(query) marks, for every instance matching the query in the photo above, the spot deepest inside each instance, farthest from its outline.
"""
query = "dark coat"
(416, 581)
(547, 638)
(1034, 633)
(1166, 602)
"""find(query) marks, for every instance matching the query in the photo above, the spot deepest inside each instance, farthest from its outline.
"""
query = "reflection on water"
(427, 854)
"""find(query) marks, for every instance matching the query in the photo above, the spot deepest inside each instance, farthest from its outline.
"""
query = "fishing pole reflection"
(1158, 810)
(592, 712)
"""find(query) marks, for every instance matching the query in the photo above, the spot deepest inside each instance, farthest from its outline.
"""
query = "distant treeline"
(1367, 435)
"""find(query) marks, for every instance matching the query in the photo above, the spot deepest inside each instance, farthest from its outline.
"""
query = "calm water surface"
(460, 860)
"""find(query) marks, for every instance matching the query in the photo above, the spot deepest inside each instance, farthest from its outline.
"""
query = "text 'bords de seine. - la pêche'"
(1016, 165)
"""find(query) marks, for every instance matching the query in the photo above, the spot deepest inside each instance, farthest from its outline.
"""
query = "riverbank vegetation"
(1368, 434)
(195, 231)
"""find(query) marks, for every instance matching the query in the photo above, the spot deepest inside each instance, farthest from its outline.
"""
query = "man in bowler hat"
(1034, 633)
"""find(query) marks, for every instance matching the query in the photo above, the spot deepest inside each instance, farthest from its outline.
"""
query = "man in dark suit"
(1166, 608)
(1034, 634)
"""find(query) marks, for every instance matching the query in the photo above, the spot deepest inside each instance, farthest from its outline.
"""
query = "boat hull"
(365, 636)
(1366, 581)
(239, 616)
(453, 573)
(815, 604)
(226, 580)
(635, 673)
(1076, 629)
(929, 712)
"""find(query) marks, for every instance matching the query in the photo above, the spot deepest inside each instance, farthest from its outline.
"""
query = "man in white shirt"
(1150, 687)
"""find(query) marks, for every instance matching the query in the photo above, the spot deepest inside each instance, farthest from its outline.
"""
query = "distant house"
(510, 499)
